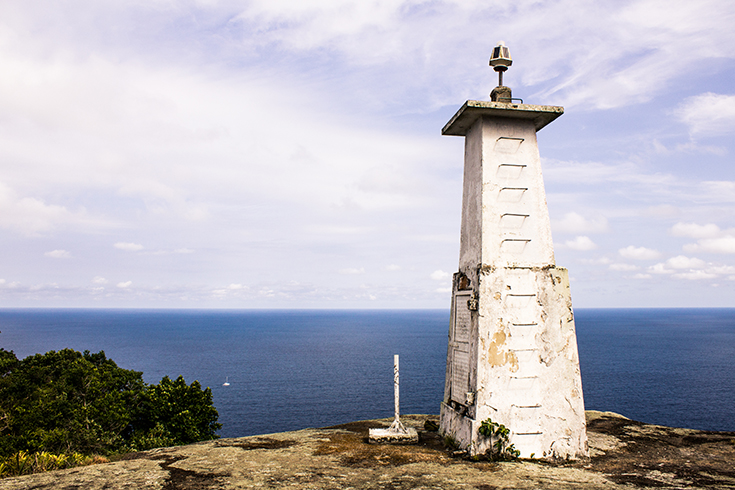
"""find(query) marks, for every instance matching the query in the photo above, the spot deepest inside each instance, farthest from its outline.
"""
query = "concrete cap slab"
(387, 436)
(541, 115)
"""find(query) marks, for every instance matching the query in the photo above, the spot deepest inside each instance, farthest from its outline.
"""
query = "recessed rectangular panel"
(522, 383)
(529, 362)
(527, 356)
(526, 419)
(460, 373)
(519, 300)
(523, 318)
(523, 390)
(462, 318)
(508, 145)
(510, 171)
(523, 333)
(515, 246)
(528, 444)
(511, 194)
(511, 221)
(462, 324)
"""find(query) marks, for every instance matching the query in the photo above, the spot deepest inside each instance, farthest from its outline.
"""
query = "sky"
(288, 153)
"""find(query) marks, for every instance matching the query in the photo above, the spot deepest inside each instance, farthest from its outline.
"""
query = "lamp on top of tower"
(500, 60)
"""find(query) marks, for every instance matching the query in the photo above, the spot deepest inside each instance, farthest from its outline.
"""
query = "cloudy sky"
(287, 153)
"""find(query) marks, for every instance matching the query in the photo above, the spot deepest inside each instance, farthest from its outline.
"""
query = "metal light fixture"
(500, 60)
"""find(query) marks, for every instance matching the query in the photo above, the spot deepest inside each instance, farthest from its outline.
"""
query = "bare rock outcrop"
(624, 454)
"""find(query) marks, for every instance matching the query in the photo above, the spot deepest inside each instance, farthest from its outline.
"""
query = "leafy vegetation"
(500, 449)
(173, 413)
(58, 407)
(23, 463)
(451, 443)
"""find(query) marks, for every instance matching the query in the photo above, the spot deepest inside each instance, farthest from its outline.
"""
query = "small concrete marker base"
(397, 433)
(388, 436)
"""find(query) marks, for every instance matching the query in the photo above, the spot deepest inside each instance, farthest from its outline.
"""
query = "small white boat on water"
(227, 381)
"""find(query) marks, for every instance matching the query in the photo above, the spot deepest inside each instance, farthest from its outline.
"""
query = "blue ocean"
(291, 369)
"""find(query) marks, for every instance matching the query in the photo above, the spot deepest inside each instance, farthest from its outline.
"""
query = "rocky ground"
(624, 454)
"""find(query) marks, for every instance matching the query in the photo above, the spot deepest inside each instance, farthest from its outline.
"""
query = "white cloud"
(642, 276)
(393, 267)
(598, 261)
(694, 275)
(720, 269)
(33, 216)
(352, 270)
(639, 253)
(581, 243)
(592, 53)
(682, 262)
(710, 238)
(184, 251)
(99, 280)
(576, 223)
(593, 174)
(722, 245)
(167, 134)
(662, 211)
(129, 247)
(700, 149)
(681, 267)
(124, 285)
(623, 267)
(440, 275)
(143, 142)
(660, 269)
(708, 114)
(722, 191)
(693, 230)
(233, 290)
(58, 254)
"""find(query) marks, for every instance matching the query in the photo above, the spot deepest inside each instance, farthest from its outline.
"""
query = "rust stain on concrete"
(497, 355)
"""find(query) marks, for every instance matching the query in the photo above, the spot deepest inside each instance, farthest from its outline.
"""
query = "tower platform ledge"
(471, 110)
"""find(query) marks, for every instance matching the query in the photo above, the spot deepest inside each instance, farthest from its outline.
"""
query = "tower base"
(513, 359)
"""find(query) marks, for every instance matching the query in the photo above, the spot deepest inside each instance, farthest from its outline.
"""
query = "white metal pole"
(396, 390)
(396, 426)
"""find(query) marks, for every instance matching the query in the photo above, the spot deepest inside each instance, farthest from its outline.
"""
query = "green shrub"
(173, 413)
(500, 447)
(59, 404)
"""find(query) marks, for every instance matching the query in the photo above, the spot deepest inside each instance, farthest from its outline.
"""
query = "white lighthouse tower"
(512, 354)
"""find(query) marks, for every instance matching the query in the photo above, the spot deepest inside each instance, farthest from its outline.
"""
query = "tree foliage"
(172, 413)
(67, 401)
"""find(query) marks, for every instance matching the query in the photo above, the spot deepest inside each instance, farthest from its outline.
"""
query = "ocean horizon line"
(447, 309)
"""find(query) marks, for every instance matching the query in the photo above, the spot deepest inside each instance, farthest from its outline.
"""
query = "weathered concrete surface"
(512, 350)
(624, 454)
(392, 436)
(541, 115)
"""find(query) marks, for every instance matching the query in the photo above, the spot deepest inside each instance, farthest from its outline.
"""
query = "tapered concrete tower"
(512, 354)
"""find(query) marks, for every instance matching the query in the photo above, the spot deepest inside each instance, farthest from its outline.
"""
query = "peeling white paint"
(512, 353)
